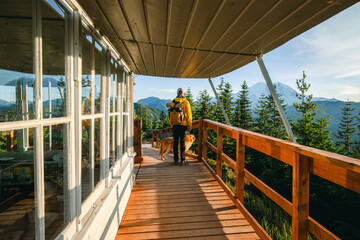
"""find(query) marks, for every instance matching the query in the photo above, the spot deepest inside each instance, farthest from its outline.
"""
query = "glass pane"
(54, 81)
(115, 76)
(87, 55)
(112, 86)
(86, 173)
(17, 204)
(113, 142)
(16, 61)
(54, 181)
(124, 134)
(98, 68)
(97, 152)
(90, 168)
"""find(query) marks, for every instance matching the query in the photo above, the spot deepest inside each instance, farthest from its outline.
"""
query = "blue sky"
(328, 53)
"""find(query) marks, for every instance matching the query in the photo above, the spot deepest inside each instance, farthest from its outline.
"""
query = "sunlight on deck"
(180, 202)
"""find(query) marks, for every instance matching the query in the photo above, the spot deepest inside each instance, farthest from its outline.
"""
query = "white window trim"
(75, 211)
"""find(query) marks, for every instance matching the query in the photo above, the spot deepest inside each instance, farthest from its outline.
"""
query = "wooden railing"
(344, 171)
(158, 135)
(138, 140)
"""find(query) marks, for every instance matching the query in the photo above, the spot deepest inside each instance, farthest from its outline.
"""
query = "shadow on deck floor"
(182, 202)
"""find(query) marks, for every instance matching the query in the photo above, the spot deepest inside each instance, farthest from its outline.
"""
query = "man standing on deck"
(180, 118)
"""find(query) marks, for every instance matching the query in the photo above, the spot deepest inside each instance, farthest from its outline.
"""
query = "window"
(92, 66)
(42, 152)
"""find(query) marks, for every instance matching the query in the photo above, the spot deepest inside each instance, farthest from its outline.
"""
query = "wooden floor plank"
(184, 226)
(182, 202)
(187, 233)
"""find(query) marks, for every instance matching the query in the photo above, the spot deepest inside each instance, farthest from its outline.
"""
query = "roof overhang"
(203, 38)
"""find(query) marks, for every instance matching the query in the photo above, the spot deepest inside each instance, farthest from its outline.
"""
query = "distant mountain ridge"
(154, 102)
(30, 81)
(332, 106)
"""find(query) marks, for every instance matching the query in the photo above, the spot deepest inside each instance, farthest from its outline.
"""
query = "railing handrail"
(339, 169)
(337, 159)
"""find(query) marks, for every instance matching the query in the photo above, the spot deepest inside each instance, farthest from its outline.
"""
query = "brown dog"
(168, 143)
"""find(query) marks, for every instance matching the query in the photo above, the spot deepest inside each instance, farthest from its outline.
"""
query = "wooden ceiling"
(203, 38)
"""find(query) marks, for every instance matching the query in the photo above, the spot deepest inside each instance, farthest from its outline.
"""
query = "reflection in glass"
(86, 186)
(16, 62)
(54, 182)
(97, 152)
(90, 168)
(113, 141)
(17, 205)
(54, 81)
(98, 62)
(86, 72)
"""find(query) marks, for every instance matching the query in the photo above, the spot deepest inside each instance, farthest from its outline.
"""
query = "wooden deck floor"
(182, 202)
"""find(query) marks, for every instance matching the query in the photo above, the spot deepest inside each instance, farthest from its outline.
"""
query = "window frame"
(76, 212)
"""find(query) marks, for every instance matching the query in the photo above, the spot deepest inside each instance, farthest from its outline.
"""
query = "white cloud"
(165, 90)
(333, 47)
(350, 90)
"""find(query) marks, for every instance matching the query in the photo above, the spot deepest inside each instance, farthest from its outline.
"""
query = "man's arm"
(188, 115)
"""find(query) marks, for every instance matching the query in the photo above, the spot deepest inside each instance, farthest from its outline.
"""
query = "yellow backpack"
(176, 113)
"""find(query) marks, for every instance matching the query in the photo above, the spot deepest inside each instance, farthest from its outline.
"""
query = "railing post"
(240, 168)
(152, 140)
(200, 139)
(204, 140)
(219, 151)
(300, 197)
(157, 139)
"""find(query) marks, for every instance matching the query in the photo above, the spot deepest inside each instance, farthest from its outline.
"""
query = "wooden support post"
(204, 140)
(157, 140)
(219, 151)
(200, 139)
(240, 169)
(152, 140)
(300, 197)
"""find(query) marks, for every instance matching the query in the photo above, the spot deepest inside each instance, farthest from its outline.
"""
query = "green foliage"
(190, 98)
(242, 114)
(345, 144)
(203, 107)
(164, 121)
(310, 129)
(268, 120)
(226, 98)
(357, 143)
(304, 128)
(263, 118)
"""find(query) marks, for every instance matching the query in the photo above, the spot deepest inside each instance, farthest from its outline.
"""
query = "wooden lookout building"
(67, 157)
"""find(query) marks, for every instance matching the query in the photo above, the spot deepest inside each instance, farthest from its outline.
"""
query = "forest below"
(331, 205)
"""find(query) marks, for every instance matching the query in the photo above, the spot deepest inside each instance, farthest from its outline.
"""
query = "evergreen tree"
(146, 119)
(226, 98)
(86, 82)
(140, 111)
(275, 125)
(217, 114)
(304, 127)
(322, 134)
(263, 117)
(164, 121)
(310, 129)
(62, 87)
(345, 144)
(357, 155)
(190, 98)
(242, 113)
(203, 107)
